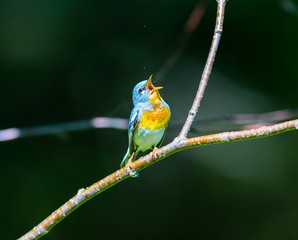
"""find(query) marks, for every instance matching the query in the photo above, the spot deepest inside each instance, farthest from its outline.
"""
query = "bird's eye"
(140, 90)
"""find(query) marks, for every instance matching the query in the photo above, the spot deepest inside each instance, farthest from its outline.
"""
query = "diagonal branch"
(177, 145)
(207, 70)
(84, 195)
(189, 28)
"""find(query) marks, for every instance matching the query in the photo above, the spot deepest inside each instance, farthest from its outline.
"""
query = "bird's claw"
(131, 172)
(154, 152)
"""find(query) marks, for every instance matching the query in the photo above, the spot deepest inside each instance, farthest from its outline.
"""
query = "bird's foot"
(154, 152)
(131, 172)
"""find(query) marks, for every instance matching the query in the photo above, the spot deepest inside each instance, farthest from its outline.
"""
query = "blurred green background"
(70, 60)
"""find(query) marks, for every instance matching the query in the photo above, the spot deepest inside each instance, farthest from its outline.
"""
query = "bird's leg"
(129, 162)
(132, 173)
(154, 152)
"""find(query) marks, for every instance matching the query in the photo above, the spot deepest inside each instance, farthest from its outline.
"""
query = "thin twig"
(177, 145)
(240, 119)
(190, 26)
(232, 120)
(207, 70)
(97, 122)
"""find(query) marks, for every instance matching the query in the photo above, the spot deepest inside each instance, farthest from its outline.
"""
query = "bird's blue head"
(145, 92)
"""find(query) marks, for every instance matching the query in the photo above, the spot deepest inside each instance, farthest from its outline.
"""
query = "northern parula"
(148, 120)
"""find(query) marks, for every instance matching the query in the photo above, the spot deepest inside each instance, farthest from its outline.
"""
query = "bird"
(148, 120)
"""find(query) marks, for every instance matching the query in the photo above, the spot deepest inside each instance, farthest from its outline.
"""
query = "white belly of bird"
(146, 139)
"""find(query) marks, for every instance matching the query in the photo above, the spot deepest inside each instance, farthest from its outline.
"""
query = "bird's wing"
(133, 123)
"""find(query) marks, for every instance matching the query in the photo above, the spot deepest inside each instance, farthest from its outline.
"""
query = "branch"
(242, 121)
(177, 145)
(207, 70)
(233, 120)
(98, 122)
(238, 121)
(190, 26)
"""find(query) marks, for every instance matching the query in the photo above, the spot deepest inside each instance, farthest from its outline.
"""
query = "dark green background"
(64, 60)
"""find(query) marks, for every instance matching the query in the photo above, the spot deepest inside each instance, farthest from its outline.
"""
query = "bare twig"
(207, 70)
(98, 122)
(241, 121)
(178, 144)
(104, 122)
(189, 28)
(233, 120)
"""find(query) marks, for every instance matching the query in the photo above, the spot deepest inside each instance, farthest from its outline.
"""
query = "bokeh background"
(69, 60)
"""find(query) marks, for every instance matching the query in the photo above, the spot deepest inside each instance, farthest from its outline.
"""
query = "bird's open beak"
(151, 87)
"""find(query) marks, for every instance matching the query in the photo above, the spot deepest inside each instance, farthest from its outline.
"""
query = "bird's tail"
(125, 158)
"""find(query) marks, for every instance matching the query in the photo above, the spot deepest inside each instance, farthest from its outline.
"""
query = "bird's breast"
(156, 118)
(145, 138)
